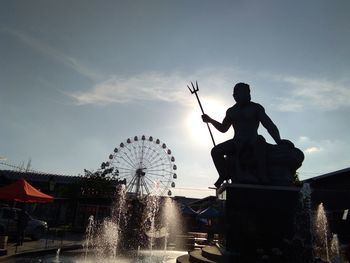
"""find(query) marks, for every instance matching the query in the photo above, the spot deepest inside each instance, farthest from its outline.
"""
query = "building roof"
(38, 177)
(342, 172)
(334, 181)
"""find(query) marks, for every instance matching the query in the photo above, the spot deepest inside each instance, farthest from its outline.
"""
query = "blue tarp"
(188, 211)
(209, 212)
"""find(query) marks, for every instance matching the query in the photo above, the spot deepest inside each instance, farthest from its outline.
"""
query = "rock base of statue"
(281, 160)
(260, 223)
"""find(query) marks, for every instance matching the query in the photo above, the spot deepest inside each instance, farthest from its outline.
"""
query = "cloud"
(320, 94)
(142, 87)
(309, 145)
(299, 93)
(322, 156)
(312, 149)
(55, 54)
(151, 86)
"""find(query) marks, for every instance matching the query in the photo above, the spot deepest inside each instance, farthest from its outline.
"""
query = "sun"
(198, 130)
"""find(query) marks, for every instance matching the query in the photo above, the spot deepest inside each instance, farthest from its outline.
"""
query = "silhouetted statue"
(247, 153)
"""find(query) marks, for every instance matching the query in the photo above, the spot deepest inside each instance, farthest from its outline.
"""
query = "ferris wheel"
(145, 164)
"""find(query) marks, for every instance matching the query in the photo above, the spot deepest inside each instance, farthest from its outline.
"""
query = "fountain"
(88, 235)
(170, 219)
(321, 234)
(335, 253)
(303, 221)
(57, 258)
(326, 244)
(152, 210)
(140, 228)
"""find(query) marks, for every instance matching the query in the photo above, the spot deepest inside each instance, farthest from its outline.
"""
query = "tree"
(97, 184)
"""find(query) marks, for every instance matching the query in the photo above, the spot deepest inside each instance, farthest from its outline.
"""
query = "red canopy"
(22, 191)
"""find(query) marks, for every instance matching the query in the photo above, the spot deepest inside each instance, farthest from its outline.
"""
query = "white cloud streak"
(142, 87)
(150, 86)
(318, 94)
(313, 149)
(55, 54)
(320, 156)
(310, 146)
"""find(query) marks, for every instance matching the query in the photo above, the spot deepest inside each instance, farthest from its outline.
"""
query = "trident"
(194, 90)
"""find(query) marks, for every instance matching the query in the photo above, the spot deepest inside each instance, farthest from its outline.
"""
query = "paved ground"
(48, 242)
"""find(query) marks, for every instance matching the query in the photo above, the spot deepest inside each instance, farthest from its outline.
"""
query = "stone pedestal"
(257, 216)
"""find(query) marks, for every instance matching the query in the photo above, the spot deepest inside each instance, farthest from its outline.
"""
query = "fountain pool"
(143, 256)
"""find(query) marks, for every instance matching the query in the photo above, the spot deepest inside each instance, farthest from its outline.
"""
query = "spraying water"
(321, 234)
(335, 254)
(132, 223)
(107, 239)
(109, 232)
(152, 209)
(303, 221)
(88, 235)
(171, 221)
(57, 258)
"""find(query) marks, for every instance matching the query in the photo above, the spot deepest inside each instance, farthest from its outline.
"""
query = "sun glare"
(198, 129)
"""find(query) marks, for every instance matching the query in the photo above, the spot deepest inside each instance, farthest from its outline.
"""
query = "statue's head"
(241, 93)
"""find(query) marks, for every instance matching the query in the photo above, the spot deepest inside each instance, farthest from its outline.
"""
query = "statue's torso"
(245, 121)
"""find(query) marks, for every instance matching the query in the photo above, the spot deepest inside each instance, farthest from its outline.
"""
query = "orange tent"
(22, 191)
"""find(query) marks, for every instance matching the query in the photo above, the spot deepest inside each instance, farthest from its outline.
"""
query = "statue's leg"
(260, 155)
(218, 154)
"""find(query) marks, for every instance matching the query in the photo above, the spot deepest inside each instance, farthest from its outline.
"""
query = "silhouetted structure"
(247, 158)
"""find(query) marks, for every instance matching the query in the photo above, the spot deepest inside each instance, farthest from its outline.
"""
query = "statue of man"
(245, 117)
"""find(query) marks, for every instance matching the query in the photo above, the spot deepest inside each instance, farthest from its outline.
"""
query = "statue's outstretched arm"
(221, 127)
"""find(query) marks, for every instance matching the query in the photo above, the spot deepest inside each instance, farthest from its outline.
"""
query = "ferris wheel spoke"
(156, 166)
(150, 182)
(126, 162)
(124, 173)
(131, 183)
(136, 152)
(162, 182)
(131, 155)
(152, 154)
(141, 158)
(165, 172)
(149, 152)
(155, 182)
(127, 169)
(155, 171)
(131, 162)
(124, 176)
(145, 186)
(168, 172)
(155, 158)
(155, 174)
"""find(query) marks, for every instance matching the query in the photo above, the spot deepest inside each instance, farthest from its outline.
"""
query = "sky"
(77, 78)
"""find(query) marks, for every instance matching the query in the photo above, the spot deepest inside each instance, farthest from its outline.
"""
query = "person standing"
(22, 223)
